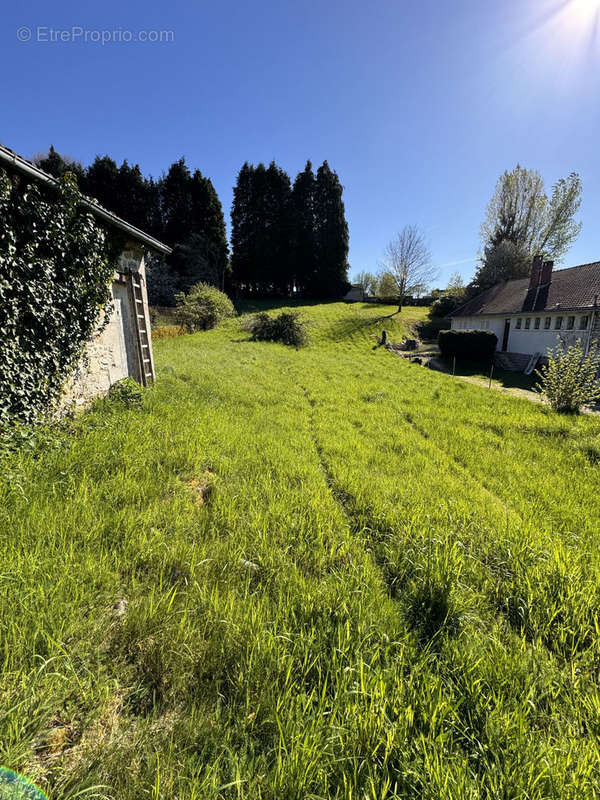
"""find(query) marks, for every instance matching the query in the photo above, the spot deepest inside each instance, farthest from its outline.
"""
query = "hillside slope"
(324, 573)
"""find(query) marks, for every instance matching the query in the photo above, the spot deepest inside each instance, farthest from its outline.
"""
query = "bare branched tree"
(408, 259)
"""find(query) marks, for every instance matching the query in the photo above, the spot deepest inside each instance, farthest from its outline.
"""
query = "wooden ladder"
(141, 332)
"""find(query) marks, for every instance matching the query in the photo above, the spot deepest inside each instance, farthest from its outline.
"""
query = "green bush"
(285, 328)
(470, 345)
(571, 380)
(446, 304)
(126, 392)
(203, 307)
(429, 328)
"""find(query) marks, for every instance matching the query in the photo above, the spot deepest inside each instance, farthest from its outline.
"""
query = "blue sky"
(419, 106)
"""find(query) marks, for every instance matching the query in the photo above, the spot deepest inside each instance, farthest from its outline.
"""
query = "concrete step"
(512, 362)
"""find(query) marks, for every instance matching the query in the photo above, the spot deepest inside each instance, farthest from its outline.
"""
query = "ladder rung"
(145, 345)
(148, 374)
(137, 285)
(146, 361)
(139, 301)
(141, 331)
(140, 316)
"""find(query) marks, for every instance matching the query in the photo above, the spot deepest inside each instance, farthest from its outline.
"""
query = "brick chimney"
(546, 273)
(536, 271)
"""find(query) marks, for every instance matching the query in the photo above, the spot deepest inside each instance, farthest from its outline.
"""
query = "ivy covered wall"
(55, 270)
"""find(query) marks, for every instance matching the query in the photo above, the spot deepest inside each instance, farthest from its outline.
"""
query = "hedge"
(470, 345)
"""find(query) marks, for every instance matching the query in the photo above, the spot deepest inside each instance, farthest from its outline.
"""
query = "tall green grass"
(391, 590)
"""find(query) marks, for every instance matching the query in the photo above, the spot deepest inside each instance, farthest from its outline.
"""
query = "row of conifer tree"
(285, 238)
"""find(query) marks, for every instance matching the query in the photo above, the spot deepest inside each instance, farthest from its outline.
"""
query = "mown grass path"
(391, 589)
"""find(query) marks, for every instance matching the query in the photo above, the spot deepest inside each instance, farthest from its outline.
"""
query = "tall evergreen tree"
(261, 223)
(176, 203)
(101, 181)
(56, 165)
(331, 236)
(208, 221)
(304, 254)
(276, 254)
(241, 230)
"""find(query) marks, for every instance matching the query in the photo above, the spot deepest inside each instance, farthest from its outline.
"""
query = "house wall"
(112, 354)
(532, 340)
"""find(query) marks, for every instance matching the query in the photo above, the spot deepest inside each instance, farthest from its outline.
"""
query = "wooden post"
(491, 374)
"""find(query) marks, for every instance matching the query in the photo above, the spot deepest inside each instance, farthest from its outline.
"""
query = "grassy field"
(325, 573)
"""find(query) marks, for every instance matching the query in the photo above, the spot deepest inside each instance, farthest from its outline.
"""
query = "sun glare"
(582, 17)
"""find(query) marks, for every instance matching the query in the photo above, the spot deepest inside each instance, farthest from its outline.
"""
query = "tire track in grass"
(339, 495)
(358, 523)
(465, 471)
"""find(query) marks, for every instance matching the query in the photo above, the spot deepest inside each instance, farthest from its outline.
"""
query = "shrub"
(203, 307)
(430, 328)
(470, 345)
(570, 379)
(286, 328)
(126, 392)
(446, 304)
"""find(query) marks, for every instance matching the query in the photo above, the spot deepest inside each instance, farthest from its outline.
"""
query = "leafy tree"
(522, 221)
(456, 284)
(387, 286)
(521, 212)
(504, 262)
(367, 281)
(408, 260)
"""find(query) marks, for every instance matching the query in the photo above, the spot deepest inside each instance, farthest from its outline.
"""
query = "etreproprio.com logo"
(45, 34)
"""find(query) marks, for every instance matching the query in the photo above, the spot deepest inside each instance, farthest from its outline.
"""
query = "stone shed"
(123, 347)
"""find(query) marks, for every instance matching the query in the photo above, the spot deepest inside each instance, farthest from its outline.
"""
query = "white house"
(530, 315)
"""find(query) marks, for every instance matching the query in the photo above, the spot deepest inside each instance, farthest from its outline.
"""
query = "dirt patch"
(203, 487)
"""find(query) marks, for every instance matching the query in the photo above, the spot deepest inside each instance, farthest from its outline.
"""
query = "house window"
(527, 323)
(583, 323)
(558, 323)
(547, 322)
(570, 323)
(537, 323)
(518, 325)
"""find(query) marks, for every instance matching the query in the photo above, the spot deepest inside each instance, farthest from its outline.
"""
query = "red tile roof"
(570, 289)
